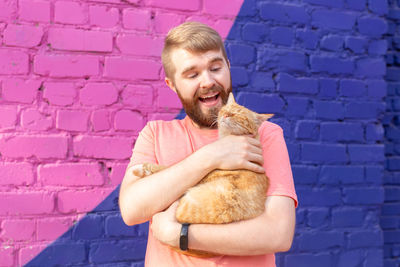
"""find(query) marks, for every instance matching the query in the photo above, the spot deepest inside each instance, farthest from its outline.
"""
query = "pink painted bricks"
(80, 201)
(189, 5)
(23, 35)
(7, 255)
(125, 68)
(70, 12)
(103, 16)
(102, 147)
(13, 61)
(136, 19)
(78, 81)
(18, 90)
(98, 94)
(127, 120)
(138, 96)
(8, 117)
(7, 8)
(34, 10)
(72, 120)
(38, 146)
(80, 40)
(66, 65)
(59, 93)
(51, 228)
(100, 120)
(17, 230)
(70, 174)
(16, 173)
(40, 202)
(33, 119)
(139, 45)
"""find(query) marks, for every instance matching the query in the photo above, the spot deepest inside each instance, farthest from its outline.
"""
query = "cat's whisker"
(215, 120)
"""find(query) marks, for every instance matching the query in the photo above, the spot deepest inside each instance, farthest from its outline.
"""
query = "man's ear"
(229, 64)
(170, 84)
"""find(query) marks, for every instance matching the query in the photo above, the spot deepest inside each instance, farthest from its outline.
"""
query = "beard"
(192, 107)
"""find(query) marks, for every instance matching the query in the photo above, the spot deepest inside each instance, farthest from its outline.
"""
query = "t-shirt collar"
(203, 131)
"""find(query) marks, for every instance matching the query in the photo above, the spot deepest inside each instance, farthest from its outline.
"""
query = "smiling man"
(197, 69)
(202, 105)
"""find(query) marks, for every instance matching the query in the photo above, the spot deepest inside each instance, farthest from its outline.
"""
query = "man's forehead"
(185, 55)
(183, 58)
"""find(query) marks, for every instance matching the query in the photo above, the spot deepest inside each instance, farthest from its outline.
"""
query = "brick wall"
(390, 220)
(319, 65)
(79, 79)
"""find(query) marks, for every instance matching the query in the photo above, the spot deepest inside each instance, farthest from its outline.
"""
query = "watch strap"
(183, 238)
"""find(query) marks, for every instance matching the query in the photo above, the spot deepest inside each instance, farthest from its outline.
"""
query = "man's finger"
(255, 168)
(256, 150)
(253, 141)
(256, 158)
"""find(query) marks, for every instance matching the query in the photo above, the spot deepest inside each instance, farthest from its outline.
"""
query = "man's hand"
(236, 152)
(165, 227)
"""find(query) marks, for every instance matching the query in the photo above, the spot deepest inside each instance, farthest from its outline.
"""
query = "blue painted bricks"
(335, 20)
(390, 218)
(324, 68)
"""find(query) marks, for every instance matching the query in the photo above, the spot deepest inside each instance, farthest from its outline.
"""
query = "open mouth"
(209, 99)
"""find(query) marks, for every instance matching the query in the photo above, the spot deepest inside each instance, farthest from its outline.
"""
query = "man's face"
(202, 82)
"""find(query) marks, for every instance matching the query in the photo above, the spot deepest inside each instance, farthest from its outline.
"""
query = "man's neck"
(195, 125)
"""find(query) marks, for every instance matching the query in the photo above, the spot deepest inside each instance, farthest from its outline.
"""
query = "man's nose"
(207, 80)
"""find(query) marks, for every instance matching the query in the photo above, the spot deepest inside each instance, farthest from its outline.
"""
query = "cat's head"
(238, 120)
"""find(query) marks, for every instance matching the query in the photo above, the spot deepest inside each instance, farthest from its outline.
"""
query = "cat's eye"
(227, 114)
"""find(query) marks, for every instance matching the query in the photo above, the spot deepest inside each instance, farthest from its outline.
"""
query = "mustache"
(213, 89)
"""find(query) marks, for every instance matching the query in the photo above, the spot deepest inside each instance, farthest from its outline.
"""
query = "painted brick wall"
(390, 220)
(79, 79)
(319, 65)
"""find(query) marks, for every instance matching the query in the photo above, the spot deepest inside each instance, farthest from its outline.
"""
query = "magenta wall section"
(78, 81)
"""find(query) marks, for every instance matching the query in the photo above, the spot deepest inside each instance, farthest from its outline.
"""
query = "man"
(197, 69)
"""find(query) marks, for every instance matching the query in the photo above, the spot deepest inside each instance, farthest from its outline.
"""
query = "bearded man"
(197, 69)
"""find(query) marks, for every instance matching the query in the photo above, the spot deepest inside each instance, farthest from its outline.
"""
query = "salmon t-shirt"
(168, 142)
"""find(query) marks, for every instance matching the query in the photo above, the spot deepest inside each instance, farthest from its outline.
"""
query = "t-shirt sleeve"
(144, 149)
(277, 162)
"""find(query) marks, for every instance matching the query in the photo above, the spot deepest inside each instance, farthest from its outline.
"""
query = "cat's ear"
(231, 99)
(264, 117)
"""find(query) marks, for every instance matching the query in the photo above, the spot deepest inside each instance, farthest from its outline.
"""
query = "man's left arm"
(270, 232)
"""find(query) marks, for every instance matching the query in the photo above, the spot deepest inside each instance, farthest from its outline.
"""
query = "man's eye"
(215, 69)
(191, 76)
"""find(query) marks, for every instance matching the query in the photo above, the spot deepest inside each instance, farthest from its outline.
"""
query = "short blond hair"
(192, 36)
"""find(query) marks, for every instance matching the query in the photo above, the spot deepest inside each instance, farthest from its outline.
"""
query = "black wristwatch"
(183, 239)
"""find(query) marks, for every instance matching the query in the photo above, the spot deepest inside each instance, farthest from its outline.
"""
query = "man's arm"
(270, 232)
(140, 199)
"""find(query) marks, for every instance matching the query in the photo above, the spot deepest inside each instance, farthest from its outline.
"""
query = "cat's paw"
(140, 170)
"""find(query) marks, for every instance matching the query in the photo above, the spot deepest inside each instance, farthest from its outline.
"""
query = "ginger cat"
(223, 196)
